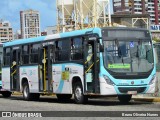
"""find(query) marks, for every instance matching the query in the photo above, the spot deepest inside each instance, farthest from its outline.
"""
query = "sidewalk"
(146, 99)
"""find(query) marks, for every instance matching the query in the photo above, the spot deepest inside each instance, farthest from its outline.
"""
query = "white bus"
(83, 63)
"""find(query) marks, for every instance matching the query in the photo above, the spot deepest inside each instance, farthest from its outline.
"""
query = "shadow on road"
(95, 102)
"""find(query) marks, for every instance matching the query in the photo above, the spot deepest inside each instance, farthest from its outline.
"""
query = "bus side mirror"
(101, 48)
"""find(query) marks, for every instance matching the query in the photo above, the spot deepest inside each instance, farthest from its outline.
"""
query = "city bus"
(94, 62)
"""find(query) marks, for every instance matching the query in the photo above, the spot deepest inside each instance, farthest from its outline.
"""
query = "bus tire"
(79, 97)
(6, 94)
(64, 96)
(26, 92)
(124, 98)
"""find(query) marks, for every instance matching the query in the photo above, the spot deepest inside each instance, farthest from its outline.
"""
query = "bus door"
(91, 67)
(14, 69)
(45, 69)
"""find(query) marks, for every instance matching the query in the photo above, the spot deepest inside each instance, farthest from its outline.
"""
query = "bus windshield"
(127, 51)
(128, 56)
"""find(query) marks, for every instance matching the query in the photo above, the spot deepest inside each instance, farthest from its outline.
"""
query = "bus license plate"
(132, 92)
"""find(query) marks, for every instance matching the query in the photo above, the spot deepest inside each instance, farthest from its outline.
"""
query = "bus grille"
(126, 89)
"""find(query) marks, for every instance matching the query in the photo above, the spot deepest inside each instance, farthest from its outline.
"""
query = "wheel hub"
(78, 93)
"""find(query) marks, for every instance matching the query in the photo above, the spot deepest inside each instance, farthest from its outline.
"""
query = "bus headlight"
(108, 81)
(152, 80)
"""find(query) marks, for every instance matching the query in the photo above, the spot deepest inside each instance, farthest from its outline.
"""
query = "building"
(51, 30)
(17, 34)
(30, 23)
(6, 31)
(151, 7)
(130, 20)
(154, 11)
(130, 6)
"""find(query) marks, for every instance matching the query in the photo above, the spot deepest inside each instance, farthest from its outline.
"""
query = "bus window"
(34, 53)
(25, 54)
(52, 58)
(7, 56)
(62, 50)
(58, 48)
(76, 49)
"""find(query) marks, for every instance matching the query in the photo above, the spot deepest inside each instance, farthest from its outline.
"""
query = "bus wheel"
(124, 98)
(79, 97)
(64, 96)
(6, 94)
(26, 93)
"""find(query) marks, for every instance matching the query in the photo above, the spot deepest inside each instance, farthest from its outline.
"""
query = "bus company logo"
(6, 114)
(132, 82)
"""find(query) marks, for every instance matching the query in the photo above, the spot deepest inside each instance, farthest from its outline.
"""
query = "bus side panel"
(6, 78)
(62, 77)
(31, 73)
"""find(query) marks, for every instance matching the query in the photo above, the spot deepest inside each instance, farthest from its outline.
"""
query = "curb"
(42, 94)
(16, 93)
(149, 99)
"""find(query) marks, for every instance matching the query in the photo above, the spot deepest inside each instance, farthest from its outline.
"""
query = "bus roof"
(63, 35)
(49, 37)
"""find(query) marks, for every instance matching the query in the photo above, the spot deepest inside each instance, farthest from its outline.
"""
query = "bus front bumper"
(143, 89)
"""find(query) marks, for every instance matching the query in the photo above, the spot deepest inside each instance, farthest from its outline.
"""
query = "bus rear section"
(128, 65)
(2, 91)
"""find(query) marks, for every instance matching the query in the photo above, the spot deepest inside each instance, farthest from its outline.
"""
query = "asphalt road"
(50, 103)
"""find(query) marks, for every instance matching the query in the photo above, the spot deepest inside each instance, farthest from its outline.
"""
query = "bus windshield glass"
(128, 55)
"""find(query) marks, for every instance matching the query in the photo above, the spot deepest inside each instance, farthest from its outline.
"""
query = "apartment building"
(6, 31)
(30, 23)
(151, 7)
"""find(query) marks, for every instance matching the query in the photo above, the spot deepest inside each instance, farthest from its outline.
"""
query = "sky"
(10, 11)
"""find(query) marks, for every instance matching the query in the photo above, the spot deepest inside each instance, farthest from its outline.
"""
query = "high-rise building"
(154, 11)
(130, 6)
(30, 23)
(6, 31)
(152, 7)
